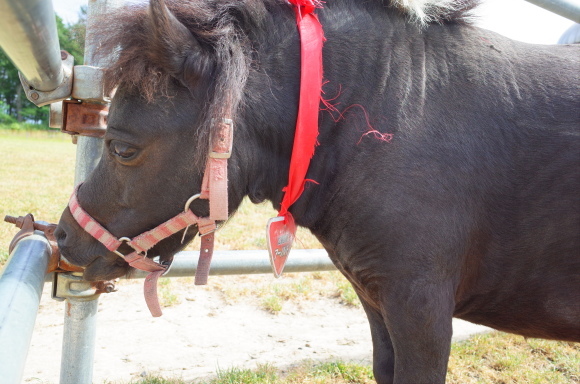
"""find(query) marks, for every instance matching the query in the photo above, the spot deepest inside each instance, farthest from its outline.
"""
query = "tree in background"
(14, 106)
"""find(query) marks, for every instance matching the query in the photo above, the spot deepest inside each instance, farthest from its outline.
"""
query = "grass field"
(36, 175)
(494, 358)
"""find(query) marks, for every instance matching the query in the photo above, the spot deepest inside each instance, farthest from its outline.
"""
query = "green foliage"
(272, 304)
(14, 106)
(265, 374)
(167, 295)
(350, 373)
(156, 380)
(72, 37)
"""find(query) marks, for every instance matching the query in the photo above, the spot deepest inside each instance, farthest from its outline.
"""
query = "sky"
(516, 19)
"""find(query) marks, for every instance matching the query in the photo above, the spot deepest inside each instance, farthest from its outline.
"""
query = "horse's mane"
(221, 28)
(215, 24)
(437, 11)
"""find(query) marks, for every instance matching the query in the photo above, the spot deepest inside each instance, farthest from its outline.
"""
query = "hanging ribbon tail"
(281, 230)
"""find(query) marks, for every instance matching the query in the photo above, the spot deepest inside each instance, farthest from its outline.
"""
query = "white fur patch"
(426, 11)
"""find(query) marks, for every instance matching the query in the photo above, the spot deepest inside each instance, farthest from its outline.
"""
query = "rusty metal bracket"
(28, 226)
(68, 284)
(85, 119)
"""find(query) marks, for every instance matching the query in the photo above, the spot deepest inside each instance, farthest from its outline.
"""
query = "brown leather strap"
(150, 290)
(204, 262)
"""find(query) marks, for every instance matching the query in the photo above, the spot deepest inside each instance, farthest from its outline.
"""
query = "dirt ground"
(201, 335)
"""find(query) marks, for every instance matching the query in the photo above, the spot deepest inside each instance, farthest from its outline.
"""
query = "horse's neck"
(356, 65)
(375, 81)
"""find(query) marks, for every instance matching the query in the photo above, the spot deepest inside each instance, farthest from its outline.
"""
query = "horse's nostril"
(59, 234)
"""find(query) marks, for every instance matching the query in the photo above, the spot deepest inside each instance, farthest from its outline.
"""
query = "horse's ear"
(175, 47)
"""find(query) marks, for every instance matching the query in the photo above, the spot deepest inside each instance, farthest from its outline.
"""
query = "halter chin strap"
(214, 188)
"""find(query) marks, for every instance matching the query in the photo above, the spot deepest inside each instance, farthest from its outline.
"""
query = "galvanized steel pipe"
(247, 262)
(28, 36)
(569, 9)
(80, 321)
(78, 346)
(21, 284)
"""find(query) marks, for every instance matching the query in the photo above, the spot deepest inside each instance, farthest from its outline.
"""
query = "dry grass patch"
(272, 294)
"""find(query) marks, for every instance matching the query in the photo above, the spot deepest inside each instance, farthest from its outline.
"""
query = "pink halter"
(214, 188)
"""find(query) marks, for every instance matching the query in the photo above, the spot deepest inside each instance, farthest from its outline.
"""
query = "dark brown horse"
(447, 177)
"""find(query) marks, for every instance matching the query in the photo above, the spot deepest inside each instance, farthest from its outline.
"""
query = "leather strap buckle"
(221, 140)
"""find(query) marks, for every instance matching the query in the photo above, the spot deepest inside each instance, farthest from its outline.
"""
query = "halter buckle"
(222, 144)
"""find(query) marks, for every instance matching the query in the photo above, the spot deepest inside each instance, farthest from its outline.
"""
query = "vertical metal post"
(80, 303)
(80, 325)
(21, 284)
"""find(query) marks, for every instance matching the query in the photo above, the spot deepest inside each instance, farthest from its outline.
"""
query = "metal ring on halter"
(167, 265)
(190, 200)
(122, 239)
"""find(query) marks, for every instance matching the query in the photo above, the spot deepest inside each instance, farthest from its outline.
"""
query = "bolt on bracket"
(63, 91)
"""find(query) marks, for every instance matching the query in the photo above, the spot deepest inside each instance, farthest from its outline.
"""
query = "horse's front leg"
(418, 316)
(383, 352)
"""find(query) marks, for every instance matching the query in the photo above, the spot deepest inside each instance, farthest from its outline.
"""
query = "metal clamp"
(63, 91)
(86, 119)
(72, 285)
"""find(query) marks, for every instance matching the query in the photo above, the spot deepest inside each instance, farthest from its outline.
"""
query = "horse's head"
(170, 93)
(144, 177)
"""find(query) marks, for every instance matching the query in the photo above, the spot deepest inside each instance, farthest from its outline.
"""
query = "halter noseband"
(214, 187)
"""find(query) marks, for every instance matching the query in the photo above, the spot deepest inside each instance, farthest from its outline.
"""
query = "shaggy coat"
(447, 170)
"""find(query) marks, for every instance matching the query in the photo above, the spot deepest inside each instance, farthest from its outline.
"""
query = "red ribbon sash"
(311, 38)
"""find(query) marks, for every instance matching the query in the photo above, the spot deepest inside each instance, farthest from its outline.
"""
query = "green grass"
(36, 176)
(308, 372)
(292, 287)
(494, 358)
(167, 296)
(504, 358)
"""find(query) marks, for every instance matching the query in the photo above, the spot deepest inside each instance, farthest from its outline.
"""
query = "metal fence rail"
(247, 263)
(28, 36)
(569, 9)
(21, 284)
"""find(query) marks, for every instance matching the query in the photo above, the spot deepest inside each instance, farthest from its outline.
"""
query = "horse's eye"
(122, 150)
